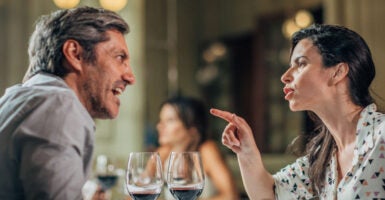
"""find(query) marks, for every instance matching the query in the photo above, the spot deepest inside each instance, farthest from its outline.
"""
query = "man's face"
(106, 79)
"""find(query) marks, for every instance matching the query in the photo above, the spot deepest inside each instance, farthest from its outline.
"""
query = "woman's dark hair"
(86, 25)
(336, 44)
(192, 112)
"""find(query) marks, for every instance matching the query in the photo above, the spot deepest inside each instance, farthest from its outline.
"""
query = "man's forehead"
(115, 42)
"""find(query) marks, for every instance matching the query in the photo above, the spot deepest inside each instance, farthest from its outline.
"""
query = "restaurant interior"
(229, 53)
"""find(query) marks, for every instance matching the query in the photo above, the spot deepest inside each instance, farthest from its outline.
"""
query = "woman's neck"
(341, 120)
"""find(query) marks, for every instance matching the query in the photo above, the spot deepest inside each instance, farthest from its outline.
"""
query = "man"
(79, 65)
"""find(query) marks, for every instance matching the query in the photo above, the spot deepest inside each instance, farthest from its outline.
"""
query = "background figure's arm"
(218, 172)
(239, 138)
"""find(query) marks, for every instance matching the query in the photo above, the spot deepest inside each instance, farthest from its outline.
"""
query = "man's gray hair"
(86, 25)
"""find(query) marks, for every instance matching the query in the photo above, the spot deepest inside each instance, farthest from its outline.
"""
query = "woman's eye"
(171, 120)
(302, 64)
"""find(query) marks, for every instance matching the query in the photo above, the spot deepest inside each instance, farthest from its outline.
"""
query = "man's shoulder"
(46, 111)
(44, 86)
(49, 100)
(35, 95)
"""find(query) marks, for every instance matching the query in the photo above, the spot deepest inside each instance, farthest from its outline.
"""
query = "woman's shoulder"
(208, 146)
(378, 118)
(210, 151)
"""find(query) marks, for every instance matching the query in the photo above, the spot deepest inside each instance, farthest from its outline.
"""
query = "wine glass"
(144, 175)
(185, 177)
(105, 172)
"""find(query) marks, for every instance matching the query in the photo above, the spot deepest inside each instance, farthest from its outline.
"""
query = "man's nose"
(128, 76)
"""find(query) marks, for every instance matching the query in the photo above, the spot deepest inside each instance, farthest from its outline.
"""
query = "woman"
(183, 127)
(330, 72)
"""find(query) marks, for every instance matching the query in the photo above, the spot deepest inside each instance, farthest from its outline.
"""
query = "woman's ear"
(339, 72)
(72, 52)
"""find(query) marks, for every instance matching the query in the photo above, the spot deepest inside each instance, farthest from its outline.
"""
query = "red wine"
(107, 181)
(184, 193)
(144, 196)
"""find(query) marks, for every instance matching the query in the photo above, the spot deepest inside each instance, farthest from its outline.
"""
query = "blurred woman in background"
(183, 123)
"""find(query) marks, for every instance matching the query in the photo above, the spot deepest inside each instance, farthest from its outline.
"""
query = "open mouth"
(117, 91)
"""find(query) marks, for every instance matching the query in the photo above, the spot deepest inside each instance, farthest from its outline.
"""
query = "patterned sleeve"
(292, 181)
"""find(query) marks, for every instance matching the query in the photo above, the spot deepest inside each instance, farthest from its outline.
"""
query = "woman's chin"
(163, 143)
(295, 107)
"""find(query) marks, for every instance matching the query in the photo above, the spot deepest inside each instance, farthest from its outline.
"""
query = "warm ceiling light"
(114, 5)
(208, 56)
(303, 18)
(66, 3)
(289, 27)
(218, 49)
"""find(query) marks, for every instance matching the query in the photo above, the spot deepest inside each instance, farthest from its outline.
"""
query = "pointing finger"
(229, 117)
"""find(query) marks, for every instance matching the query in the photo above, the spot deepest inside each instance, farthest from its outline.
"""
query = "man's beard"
(97, 110)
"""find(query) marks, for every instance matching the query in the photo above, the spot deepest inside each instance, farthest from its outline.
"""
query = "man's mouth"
(117, 91)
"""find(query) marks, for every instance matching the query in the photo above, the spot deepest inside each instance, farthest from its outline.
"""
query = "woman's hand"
(239, 138)
(237, 135)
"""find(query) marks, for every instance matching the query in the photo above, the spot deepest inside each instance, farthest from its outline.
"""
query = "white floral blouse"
(366, 178)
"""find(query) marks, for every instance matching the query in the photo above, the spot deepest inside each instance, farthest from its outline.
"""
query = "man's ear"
(339, 72)
(72, 51)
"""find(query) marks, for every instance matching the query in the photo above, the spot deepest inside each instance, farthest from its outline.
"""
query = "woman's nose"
(287, 77)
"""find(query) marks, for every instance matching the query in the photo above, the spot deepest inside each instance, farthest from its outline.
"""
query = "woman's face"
(307, 80)
(170, 127)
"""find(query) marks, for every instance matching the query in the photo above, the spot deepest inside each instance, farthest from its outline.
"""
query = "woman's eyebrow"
(296, 60)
